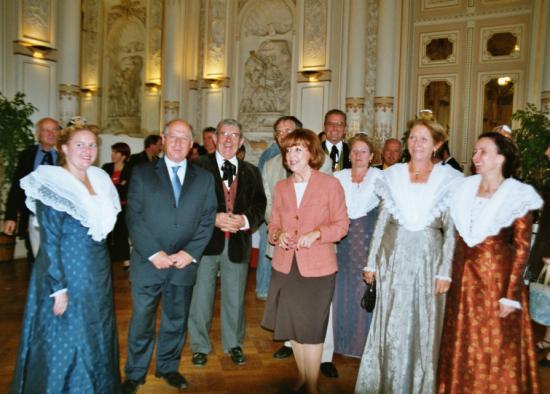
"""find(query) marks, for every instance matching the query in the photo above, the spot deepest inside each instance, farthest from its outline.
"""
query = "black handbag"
(369, 298)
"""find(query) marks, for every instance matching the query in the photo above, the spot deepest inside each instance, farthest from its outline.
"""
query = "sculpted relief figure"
(267, 79)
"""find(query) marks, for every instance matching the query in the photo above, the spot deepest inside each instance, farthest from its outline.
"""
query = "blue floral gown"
(76, 352)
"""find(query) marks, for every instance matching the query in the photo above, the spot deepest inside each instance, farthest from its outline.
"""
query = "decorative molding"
(370, 64)
(467, 102)
(355, 116)
(69, 90)
(35, 51)
(451, 80)
(91, 42)
(309, 76)
(486, 33)
(383, 103)
(485, 14)
(314, 51)
(431, 4)
(267, 18)
(426, 38)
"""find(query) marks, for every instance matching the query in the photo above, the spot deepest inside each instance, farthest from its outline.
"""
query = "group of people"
(446, 253)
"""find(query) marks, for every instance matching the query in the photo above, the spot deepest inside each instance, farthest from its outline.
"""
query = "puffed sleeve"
(379, 228)
(522, 242)
(51, 223)
(445, 264)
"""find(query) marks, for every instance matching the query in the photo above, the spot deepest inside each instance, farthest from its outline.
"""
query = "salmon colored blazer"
(323, 208)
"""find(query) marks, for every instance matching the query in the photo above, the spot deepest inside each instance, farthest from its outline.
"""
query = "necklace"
(418, 173)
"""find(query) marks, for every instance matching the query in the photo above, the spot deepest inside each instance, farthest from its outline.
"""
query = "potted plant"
(532, 139)
(15, 135)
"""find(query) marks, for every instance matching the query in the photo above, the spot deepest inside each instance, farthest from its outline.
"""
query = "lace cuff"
(368, 269)
(509, 302)
(58, 292)
(443, 277)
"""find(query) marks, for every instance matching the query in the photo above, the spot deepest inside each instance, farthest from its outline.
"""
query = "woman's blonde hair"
(68, 133)
(427, 119)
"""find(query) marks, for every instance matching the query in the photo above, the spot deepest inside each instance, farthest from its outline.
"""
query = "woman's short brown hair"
(363, 138)
(438, 132)
(67, 134)
(309, 140)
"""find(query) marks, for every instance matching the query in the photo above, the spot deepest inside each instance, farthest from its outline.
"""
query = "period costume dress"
(350, 321)
(76, 352)
(412, 245)
(480, 351)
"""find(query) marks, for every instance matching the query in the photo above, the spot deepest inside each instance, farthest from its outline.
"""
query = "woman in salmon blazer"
(308, 216)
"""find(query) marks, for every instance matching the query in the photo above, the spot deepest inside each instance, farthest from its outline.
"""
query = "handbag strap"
(544, 276)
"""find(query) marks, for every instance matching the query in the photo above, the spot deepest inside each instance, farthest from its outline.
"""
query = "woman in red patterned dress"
(487, 344)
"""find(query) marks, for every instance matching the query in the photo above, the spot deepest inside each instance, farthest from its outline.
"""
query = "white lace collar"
(512, 200)
(360, 197)
(58, 188)
(416, 205)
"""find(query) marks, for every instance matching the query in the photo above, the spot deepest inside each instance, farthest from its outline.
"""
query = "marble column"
(385, 71)
(68, 63)
(545, 95)
(355, 97)
(173, 59)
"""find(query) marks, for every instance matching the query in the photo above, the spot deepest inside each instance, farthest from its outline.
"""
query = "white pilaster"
(68, 63)
(385, 70)
(173, 58)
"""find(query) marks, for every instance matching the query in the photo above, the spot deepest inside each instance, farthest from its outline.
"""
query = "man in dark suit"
(334, 146)
(170, 216)
(152, 146)
(391, 153)
(241, 207)
(42, 153)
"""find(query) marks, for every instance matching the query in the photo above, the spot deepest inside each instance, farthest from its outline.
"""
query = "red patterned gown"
(481, 352)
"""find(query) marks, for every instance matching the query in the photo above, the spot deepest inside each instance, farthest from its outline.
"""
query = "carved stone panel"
(215, 62)
(124, 63)
(37, 23)
(314, 38)
(154, 41)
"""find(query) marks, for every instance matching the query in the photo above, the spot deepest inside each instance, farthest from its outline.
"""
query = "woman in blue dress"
(68, 339)
(351, 323)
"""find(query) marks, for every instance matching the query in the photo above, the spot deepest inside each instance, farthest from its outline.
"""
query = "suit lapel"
(164, 178)
(188, 180)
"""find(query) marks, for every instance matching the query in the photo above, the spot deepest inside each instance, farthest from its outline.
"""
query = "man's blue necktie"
(176, 184)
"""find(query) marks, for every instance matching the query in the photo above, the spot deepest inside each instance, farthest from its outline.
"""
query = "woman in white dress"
(410, 256)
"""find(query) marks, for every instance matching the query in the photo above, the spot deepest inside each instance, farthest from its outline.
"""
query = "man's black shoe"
(174, 379)
(199, 359)
(329, 370)
(237, 356)
(283, 352)
(130, 386)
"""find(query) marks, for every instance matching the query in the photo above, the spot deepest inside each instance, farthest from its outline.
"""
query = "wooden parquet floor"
(261, 374)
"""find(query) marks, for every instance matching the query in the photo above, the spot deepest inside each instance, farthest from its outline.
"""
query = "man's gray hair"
(228, 122)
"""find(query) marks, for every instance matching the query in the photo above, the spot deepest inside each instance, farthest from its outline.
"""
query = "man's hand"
(161, 261)
(61, 301)
(229, 222)
(9, 227)
(181, 259)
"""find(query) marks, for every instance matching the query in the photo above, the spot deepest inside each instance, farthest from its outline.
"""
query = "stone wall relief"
(265, 64)
(37, 22)
(314, 51)
(124, 68)
(215, 64)
(154, 42)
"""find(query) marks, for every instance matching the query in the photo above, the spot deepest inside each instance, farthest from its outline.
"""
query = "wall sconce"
(153, 87)
(89, 90)
(503, 81)
(215, 83)
(314, 75)
(34, 50)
